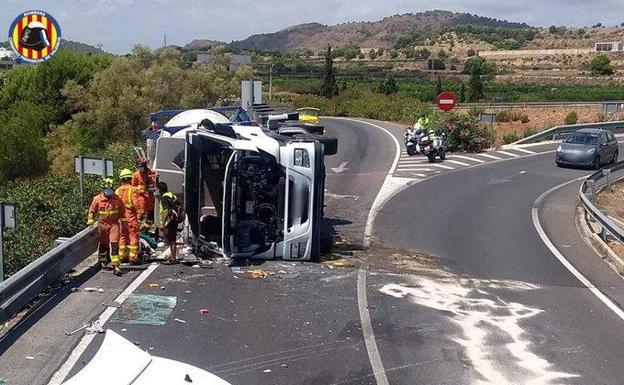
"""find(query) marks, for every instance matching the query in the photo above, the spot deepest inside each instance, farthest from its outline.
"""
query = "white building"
(6, 54)
(612, 46)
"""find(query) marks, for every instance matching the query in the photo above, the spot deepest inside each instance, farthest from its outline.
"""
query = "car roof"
(591, 130)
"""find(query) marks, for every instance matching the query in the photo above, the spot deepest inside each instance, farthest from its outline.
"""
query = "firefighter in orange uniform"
(144, 179)
(108, 209)
(129, 226)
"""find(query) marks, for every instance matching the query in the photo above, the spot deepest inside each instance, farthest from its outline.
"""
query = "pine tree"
(475, 86)
(329, 88)
(438, 87)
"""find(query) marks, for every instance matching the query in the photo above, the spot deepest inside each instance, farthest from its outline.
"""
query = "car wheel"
(558, 164)
(596, 164)
(615, 157)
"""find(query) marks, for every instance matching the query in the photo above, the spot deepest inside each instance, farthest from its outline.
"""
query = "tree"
(471, 52)
(601, 65)
(380, 51)
(552, 29)
(442, 55)
(393, 54)
(462, 92)
(329, 88)
(475, 86)
(372, 54)
(438, 86)
(389, 86)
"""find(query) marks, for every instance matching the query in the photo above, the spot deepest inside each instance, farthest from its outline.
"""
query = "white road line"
(421, 175)
(491, 156)
(441, 166)
(465, 158)
(369, 334)
(457, 162)
(508, 153)
(413, 161)
(538, 227)
(409, 168)
(524, 150)
(60, 375)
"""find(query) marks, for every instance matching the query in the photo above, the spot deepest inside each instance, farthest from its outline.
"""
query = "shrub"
(394, 54)
(503, 116)
(571, 117)
(465, 133)
(510, 137)
(475, 111)
(602, 117)
(524, 118)
(601, 65)
(471, 52)
(529, 131)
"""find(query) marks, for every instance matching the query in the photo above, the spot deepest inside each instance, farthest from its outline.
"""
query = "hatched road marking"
(491, 156)
(508, 153)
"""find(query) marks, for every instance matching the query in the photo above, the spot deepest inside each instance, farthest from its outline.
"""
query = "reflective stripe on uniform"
(108, 213)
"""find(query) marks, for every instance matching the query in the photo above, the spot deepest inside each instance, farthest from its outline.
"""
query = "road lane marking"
(441, 166)
(458, 162)
(410, 168)
(491, 156)
(508, 154)
(553, 249)
(523, 150)
(391, 186)
(369, 334)
(75, 355)
(465, 158)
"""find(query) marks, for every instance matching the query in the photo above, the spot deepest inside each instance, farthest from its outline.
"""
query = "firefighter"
(129, 226)
(144, 179)
(169, 212)
(108, 209)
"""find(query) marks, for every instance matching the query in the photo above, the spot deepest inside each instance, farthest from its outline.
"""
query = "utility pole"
(271, 83)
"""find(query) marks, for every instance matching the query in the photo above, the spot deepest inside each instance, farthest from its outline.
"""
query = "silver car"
(589, 147)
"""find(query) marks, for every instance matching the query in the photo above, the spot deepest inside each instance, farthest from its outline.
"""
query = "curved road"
(457, 288)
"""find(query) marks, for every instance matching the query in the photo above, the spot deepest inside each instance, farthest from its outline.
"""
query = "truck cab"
(257, 193)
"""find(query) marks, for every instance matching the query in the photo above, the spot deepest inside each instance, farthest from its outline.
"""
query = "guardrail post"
(592, 187)
(603, 231)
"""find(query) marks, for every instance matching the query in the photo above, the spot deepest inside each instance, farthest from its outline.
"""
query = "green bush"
(601, 65)
(503, 116)
(510, 137)
(529, 131)
(571, 117)
(524, 118)
(466, 133)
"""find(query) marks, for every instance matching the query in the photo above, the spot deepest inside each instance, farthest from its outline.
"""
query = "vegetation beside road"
(90, 105)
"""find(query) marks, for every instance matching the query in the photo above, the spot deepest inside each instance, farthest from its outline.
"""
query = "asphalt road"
(459, 289)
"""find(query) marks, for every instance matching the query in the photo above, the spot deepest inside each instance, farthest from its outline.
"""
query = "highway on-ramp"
(458, 286)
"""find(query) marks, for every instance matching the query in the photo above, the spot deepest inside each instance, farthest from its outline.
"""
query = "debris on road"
(153, 285)
(95, 328)
(30, 357)
(124, 330)
(284, 365)
(266, 371)
(179, 320)
(259, 273)
(71, 333)
(187, 291)
(341, 262)
(203, 311)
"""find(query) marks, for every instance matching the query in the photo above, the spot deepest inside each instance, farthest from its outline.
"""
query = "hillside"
(382, 33)
(68, 44)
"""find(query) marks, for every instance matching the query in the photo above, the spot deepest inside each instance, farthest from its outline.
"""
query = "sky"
(120, 24)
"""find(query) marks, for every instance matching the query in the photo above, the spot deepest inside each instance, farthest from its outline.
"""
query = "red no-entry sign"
(446, 101)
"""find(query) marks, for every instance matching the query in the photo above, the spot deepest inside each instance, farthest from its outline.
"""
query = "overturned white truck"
(256, 191)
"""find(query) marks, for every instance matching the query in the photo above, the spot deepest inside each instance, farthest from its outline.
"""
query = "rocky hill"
(382, 33)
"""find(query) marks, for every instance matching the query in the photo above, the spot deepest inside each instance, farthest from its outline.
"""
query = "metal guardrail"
(561, 132)
(494, 104)
(22, 287)
(608, 225)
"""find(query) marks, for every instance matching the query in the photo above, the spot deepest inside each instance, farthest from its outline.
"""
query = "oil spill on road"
(492, 334)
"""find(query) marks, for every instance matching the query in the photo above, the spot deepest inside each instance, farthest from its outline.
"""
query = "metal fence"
(22, 287)
(561, 132)
(588, 192)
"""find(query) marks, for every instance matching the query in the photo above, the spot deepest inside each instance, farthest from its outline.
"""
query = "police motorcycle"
(432, 145)
(411, 139)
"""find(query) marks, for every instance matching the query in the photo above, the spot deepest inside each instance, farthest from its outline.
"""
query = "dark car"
(588, 147)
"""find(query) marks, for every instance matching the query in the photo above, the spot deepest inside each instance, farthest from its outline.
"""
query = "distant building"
(235, 60)
(7, 58)
(612, 46)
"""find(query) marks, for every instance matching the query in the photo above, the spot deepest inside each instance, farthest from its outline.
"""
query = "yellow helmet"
(125, 174)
